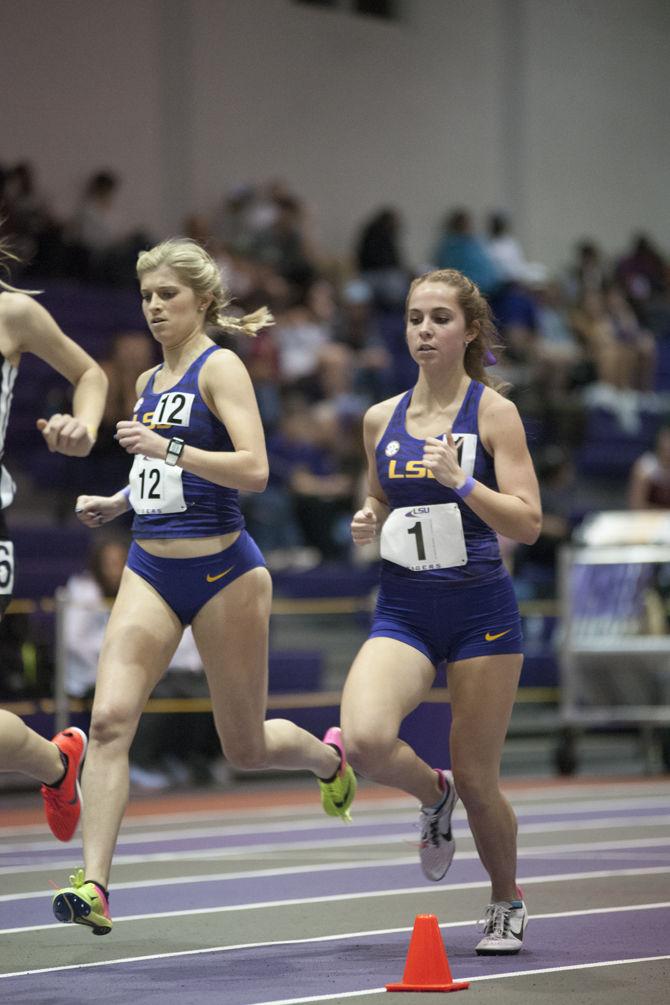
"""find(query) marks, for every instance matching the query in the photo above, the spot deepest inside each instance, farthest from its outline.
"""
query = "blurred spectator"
(357, 327)
(588, 273)
(313, 463)
(262, 211)
(262, 361)
(637, 345)
(379, 259)
(515, 312)
(89, 594)
(507, 254)
(623, 353)
(101, 250)
(229, 237)
(233, 224)
(590, 322)
(335, 383)
(196, 227)
(460, 248)
(282, 243)
(513, 303)
(95, 227)
(132, 353)
(535, 566)
(378, 243)
(324, 484)
(270, 515)
(36, 233)
(649, 483)
(643, 272)
(302, 330)
(557, 354)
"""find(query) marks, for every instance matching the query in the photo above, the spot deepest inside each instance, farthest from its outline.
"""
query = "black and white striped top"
(7, 381)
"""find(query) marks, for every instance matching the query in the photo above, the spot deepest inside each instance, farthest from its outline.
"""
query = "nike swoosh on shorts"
(219, 575)
(492, 638)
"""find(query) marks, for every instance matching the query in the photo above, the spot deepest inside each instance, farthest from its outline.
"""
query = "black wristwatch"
(175, 449)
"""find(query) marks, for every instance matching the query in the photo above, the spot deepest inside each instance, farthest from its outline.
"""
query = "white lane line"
(556, 850)
(571, 966)
(492, 977)
(378, 812)
(367, 894)
(633, 809)
(245, 851)
(326, 998)
(488, 977)
(370, 933)
(219, 831)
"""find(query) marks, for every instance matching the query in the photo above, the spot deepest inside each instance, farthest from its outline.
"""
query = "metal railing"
(284, 611)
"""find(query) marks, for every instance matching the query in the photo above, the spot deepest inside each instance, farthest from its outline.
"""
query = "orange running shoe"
(63, 804)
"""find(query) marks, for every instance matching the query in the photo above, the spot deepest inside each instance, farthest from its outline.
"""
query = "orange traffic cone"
(427, 967)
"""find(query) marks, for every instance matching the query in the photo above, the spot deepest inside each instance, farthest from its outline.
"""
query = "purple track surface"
(248, 976)
(153, 920)
(220, 893)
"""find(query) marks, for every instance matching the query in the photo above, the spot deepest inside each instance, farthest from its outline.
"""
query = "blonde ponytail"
(249, 324)
(197, 269)
(6, 256)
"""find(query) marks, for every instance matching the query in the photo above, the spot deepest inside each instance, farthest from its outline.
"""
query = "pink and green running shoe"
(82, 903)
(337, 794)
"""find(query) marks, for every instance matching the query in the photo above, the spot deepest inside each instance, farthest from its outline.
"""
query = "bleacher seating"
(47, 556)
(608, 450)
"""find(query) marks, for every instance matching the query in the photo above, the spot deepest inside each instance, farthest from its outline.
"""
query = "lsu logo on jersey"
(172, 409)
(466, 450)
(411, 469)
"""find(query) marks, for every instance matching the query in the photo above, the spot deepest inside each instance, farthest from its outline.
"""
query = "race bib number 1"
(156, 487)
(424, 537)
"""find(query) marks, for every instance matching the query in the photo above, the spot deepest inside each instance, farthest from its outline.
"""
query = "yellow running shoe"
(82, 903)
(337, 794)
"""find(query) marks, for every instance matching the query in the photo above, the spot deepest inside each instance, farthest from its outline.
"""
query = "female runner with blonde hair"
(197, 441)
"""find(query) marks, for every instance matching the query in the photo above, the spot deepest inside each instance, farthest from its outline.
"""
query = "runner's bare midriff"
(188, 547)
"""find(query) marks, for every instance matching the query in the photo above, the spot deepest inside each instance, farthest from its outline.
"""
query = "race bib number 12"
(156, 487)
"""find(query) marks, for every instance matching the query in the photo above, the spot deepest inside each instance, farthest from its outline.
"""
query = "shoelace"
(430, 834)
(76, 880)
(496, 920)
